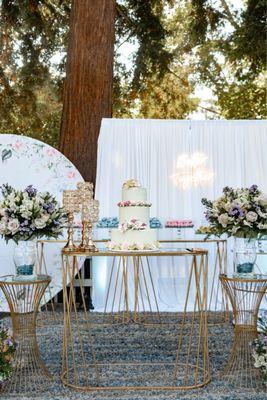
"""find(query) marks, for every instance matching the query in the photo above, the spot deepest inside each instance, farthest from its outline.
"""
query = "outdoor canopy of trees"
(177, 48)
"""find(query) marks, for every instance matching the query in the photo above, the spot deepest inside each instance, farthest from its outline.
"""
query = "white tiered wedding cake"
(134, 232)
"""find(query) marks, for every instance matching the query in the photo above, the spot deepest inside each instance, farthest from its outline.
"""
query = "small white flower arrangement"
(238, 212)
(133, 225)
(29, 214)
(7, 350)
(129, 203)
(130, 184)
(132, 246)
(259, 349)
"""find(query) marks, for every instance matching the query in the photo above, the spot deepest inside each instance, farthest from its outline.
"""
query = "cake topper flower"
(130, 183)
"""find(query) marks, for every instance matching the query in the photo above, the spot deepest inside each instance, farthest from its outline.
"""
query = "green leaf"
(6, 154)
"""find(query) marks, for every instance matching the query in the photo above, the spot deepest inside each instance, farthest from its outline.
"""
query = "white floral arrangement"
(130, 184)
(133, 246)
(129, 203)
(29, 214)
(238, 212)
(132, 225)
(7, 350)
(259, 354)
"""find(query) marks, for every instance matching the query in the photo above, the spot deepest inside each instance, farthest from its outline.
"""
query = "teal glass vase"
(245, 255)
(25, 258)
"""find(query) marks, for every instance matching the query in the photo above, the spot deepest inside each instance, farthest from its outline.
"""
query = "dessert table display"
(83, 365)
(245, 295)
(23, 297)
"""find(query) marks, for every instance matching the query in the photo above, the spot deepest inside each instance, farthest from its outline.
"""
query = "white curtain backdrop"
(147, 150)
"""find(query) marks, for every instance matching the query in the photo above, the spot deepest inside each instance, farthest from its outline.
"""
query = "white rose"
(40, 223)
(27, 204)
(11, 197)
(26, 214)
(235, 229)
(262, 226)
(228, 206)
(140, 245)
(125, 246)
(13, 226)
(262, 200)
(247, 223)
(251, 216)
(12, 206)
(262, 214)
(2, 227)
(223, 219)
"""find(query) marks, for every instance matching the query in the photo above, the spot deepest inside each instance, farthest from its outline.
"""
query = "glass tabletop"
(24, 279)
(157, 252)
(245, 277)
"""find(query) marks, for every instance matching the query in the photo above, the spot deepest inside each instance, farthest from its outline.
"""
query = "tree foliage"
(229, 46)
(177, 45)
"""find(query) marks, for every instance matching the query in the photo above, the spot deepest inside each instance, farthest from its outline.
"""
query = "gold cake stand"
(86, 367)
(245, 295)
(23, 297)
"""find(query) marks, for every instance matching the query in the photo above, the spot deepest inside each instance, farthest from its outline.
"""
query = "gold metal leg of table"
(220, 312)
(89, 364)
(47, 315)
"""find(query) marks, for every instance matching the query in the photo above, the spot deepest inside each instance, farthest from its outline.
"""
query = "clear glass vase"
(24, 258)
(245, 254)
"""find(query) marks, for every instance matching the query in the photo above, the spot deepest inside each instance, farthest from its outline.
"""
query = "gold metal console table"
(87, 364)
(23, 297)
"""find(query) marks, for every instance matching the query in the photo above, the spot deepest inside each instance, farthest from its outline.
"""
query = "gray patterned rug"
(136, 342)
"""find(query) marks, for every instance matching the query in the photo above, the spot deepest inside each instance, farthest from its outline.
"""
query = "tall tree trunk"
(88, 86)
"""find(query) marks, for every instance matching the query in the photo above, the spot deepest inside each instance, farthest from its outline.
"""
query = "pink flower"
(125, 246)
(18, 144)
(51, 152)
(140, 246)
(133, 220)
(71, 174)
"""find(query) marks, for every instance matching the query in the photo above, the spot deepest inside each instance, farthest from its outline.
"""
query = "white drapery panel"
(147, 150)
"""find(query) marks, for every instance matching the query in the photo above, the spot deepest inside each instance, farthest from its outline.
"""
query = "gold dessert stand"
(245, 295)
(23, 297)
(85, 367)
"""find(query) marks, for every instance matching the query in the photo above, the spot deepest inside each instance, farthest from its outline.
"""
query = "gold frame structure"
(49, 314)
(217, 291)
(29, 372)
(84, 367)
(245, 295)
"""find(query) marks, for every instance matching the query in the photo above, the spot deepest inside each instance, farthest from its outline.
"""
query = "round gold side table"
(23, 297)
(245, 295)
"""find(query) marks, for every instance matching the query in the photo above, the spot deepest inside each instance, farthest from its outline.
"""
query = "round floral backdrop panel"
(25, 161)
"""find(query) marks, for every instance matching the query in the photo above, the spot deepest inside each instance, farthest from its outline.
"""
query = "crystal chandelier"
(191, 171)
